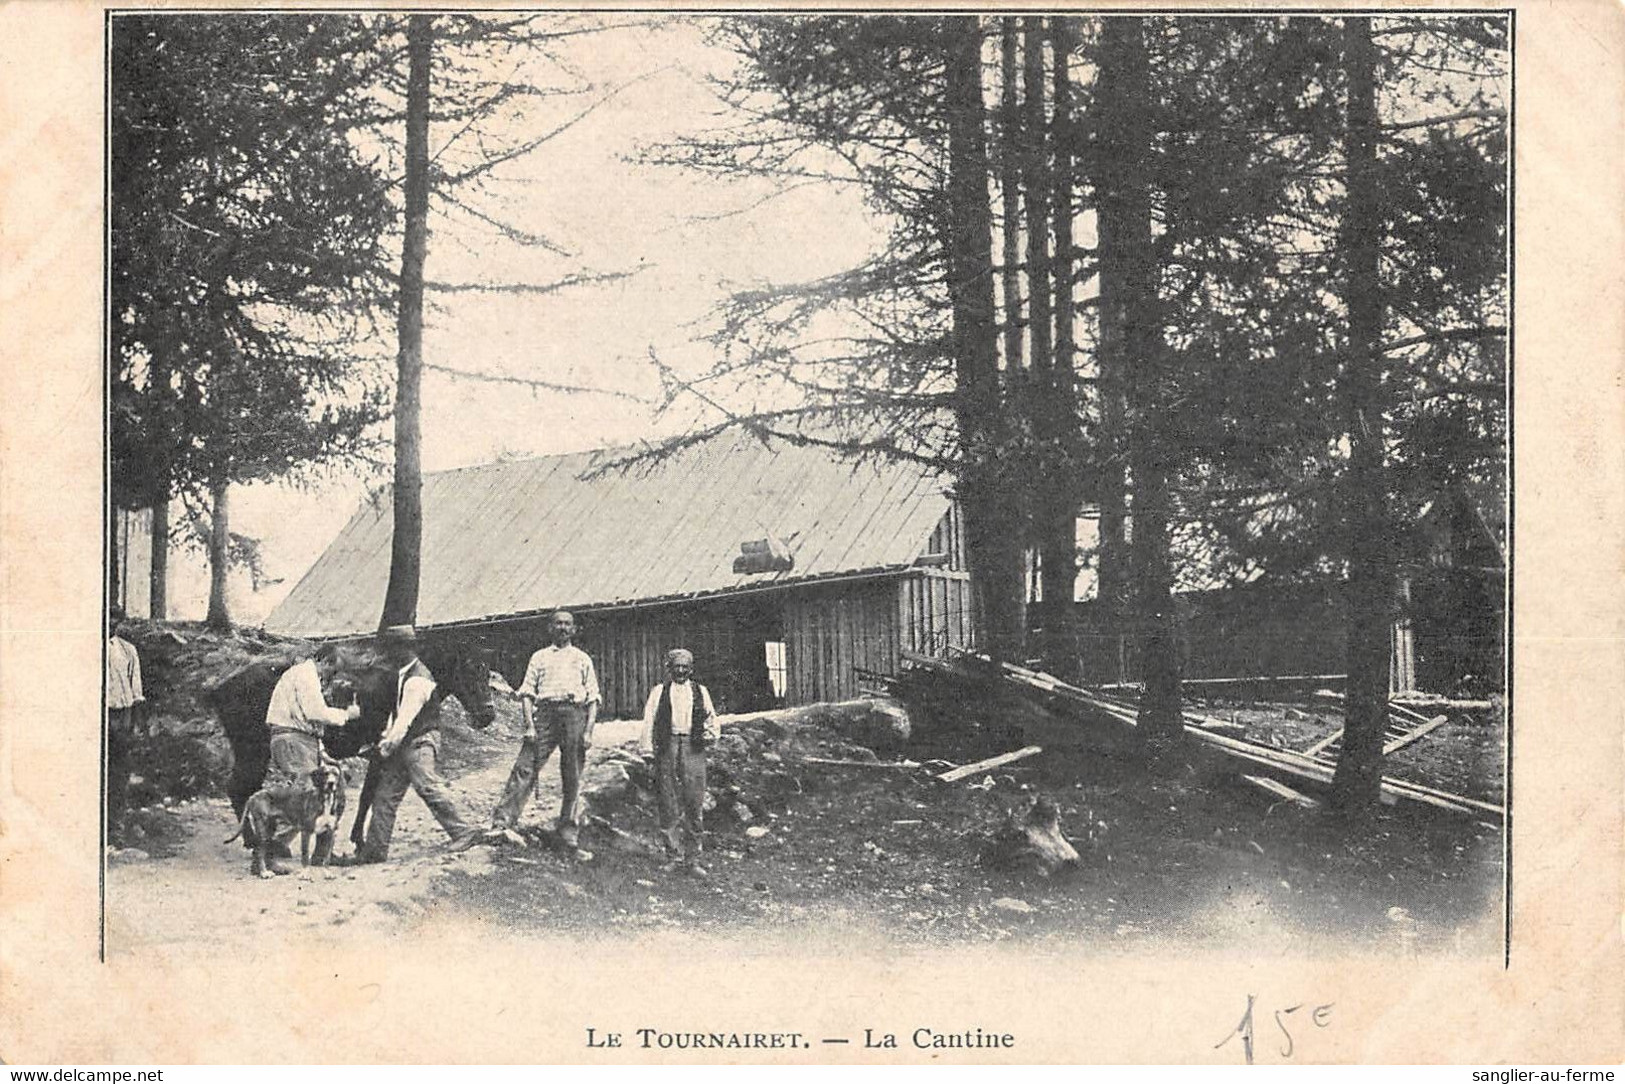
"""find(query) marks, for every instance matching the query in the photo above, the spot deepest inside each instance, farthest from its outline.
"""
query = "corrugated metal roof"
(528, 536)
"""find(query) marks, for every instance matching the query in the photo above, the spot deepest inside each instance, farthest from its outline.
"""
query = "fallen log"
(1431, 700)
(991, 762)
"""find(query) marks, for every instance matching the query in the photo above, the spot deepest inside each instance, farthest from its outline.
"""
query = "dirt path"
(201, 895)
(843, 855)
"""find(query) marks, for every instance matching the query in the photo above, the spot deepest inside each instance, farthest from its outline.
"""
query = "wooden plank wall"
(949, 538)
(829, 631)
(628, 648)
(934, 611)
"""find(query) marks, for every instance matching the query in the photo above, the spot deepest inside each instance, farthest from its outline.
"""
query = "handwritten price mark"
(1320, 1016)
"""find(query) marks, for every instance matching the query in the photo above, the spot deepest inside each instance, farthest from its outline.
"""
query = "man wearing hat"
(409, 751)
(124, 697)
(679, 722)
(560, 700)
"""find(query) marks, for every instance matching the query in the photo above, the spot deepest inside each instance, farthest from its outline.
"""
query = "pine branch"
(533, 385)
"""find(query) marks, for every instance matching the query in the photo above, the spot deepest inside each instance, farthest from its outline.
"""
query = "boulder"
(1031, 842)
(874, 724)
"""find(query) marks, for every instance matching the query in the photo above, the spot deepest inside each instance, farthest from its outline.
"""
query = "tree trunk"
(1357, 782)
(401, 598)
(1055, 417)
(1112, 558)
(158, 576)
(114, 578)
(993, 532)
(1010, 193)
(1128, 296)
(219, 556)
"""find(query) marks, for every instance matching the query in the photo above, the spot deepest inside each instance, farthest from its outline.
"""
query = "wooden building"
(785, 569)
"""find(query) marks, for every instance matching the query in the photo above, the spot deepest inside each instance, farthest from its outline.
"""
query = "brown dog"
(313, 809)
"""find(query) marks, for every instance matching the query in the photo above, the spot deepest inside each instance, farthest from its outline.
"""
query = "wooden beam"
(1281, 790)
(1420, 732)
(1324, 743)
(828, 763)
(1286, 679)
(1284, 761)
(991, 762)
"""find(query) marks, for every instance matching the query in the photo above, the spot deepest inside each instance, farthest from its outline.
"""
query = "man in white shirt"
(410, 749)
(560, 699)
(124, 701)
(679, 722)
(299, 713)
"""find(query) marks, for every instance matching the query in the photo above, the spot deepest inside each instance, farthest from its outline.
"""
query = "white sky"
(581, 191)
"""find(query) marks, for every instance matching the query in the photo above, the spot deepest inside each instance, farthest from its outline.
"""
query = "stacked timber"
(1106, 710)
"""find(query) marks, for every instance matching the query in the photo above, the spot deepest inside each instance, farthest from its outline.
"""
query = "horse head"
(462, 668)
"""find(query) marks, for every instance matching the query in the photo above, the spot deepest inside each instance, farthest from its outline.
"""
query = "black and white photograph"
(873, 484)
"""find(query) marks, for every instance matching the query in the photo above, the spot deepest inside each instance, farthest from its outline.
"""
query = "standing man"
(560, 700)
(679, 722)
(409, 752)
(298, 714)
(123, 696)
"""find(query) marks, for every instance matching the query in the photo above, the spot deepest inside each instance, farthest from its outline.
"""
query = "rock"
(607, 783)
(756, 831)
(129, 854)
(1031, 841)
(1010, 903)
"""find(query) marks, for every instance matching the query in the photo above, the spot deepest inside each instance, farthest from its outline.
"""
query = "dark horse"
(462, 669)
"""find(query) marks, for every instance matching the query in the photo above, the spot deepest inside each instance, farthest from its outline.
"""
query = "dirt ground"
(888, 856)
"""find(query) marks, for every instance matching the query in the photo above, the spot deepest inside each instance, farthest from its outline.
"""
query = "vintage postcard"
(812, 536)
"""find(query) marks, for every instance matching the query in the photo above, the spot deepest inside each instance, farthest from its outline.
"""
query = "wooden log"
(1426, 701)
(901, 765)
(1416, 734)
(1223, 682)
(1281, 790)
(991, 762)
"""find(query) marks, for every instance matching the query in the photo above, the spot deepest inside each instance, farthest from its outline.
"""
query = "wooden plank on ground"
(828, 763)
(1278, 760)
(991, 762)
(1223, 682)
(1414, 735)
(1281, 790)
(1400, 711)
(1324, 743)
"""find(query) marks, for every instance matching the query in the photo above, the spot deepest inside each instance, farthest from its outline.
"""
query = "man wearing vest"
(409, 750)
(560, 700)
(679, 722)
